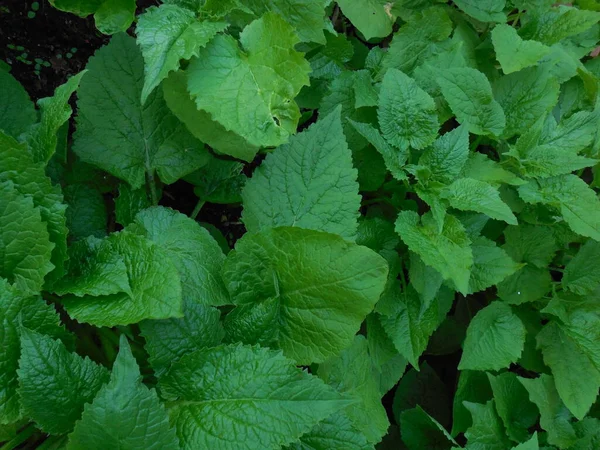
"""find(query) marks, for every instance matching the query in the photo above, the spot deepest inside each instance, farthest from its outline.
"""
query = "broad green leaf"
(167, 340)
(421, 431)
(308, 183)
(580, 275)
(573, 354)
(482, 168)
(329, 60)
(55, 111)
(200, 123)
(487, 431)
(425, 279)
(417, 40)
(364, 91)
(219, 181)
(559, 23)
(306, 16)
(86, 211)
(250, 90)
(119, 135)
(336, 431)
(555, 417)
(518, 414)
(351, 373)
(448, 251)
(308, 291)
(525, 96)
(569, 194)
(17, 112)
(533, 244)
(531, 444)
(16, 310)
(473, 387)
(469, 94)
(409, 323)
(166, 35)
(484, 10)
(153, 290)
(30, 181)
(526, 285)
(495, 339)
(25, 247)
(124, 413)
(468, 194)
(491, 265)
(129, 203)
(448, 155)
(394, 158)
(193, 251)
(371, 17)
(111, 16)
(55, 384)
(247, 397)
(514, 53)
(406, 113)
(426, 390)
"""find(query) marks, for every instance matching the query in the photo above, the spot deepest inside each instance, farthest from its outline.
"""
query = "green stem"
(53, 442)
(476, 143)
(23, 435)
(152, 184)
(197, 209)
(402, 277)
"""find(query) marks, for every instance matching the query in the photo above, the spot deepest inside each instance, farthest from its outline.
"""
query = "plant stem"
(53, 442)
(152, 184)
(197, 209)
(23, 435)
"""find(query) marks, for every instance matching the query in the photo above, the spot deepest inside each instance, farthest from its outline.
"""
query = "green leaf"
(577, 203)
(394, 158)
(153, 290)
(555, 417)
(55, 384)
(525, 96)
(17, 112)
(166, 35)
(568, 347)
(86, 212)
(473, 387)
(487, 431)
(421, 431)
(193, 251)
(468, 194)
(514, 53)
(448, 251)
(307, 17)
(168, 340)
(111, 16)
(513, 406)
(491, 265)
(495, 339)
(129, 203)
(31, 182)
(25, 247)
(580, 275)
(200, 123)
(406, 113)
(482, 168)
(351, 373)
(409, 322)
(484, 10)
(54, 113)
(219, 181)
(308, 291)
(417, 40)
(371, 17)
(308, 183)
(533, 244)
(119, 135)
(559, 23)
(526, 285)
(247, 397)
(448, 155)
(16, 310)
(329, 60)
(469, 94)
(244, 89)
(531, 444)
(336, 431)
(126, 401)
